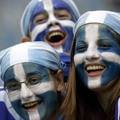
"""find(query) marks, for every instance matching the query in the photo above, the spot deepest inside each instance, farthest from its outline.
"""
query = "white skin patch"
(37, 89)
(91, 36)
(34, 115)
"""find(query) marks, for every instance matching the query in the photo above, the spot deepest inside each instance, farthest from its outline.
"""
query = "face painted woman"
(96, 52)
(32, 76)
(51, 21)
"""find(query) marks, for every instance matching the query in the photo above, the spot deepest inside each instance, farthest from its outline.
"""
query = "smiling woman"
(33, 81)
(51, 21)
(95, 66)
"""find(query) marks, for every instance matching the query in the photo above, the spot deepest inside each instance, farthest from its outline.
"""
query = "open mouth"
(56, 38)
(31, 105)
(94, 70)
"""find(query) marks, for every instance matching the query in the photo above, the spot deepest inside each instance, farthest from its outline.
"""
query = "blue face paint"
(97, 55)
(39, 96)
(54, 24)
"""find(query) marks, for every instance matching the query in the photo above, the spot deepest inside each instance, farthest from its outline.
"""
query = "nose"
(53, 23)
(26, 93)
(92, 55)
(52, 20)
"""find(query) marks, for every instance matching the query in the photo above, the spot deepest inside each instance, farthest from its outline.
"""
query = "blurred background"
(11, 12)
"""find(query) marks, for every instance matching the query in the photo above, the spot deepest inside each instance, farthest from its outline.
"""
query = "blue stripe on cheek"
(113, 68)
(45, 108)
(9, 75)
(107, 40)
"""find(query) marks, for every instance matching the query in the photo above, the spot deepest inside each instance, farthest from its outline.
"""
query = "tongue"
(94, 73)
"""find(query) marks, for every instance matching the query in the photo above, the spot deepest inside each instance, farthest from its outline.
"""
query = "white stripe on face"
(41, 27)
(48, 5)
(111, 57)
(91, 37)
(94, 82)
(19, 73)
(37, 89)
(34, 115)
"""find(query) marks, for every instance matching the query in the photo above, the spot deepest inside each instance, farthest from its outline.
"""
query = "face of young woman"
(31, 90)
(97, 55)
(53, 21)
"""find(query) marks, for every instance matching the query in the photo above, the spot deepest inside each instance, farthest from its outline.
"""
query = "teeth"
(95, 67)
(27, 105)
(56, 33)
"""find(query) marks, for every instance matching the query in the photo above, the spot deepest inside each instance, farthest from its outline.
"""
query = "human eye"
(33, 80)
(81, 46)
(62, 14)
(104, 44)
(12, 85)
(41, 18)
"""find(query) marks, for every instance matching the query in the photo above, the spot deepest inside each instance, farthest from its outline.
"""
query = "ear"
(60, 84)
(25, 39)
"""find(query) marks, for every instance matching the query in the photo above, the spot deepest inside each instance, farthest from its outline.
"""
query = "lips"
(56, 38)
(94, 70)
(30, 105)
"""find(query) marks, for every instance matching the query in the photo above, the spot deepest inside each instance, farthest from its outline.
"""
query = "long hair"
(68, 107)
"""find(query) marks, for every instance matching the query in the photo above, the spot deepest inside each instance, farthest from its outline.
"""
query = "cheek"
(43, 87)
(13, 96)
(79, 58)
(111, 57)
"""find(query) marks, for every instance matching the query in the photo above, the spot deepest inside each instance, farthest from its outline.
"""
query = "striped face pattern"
(31, 90)
(97, 55)
(53, 21)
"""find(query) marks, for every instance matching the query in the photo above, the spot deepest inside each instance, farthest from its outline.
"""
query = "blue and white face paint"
(51, 21)
(29, 79)
(31, 90)
(97, 48)
(97, 55)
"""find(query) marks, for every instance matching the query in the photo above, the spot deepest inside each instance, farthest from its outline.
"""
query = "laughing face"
(31, 90)
(97, 55)
(53, 21)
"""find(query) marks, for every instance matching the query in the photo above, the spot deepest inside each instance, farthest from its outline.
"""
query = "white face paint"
(29, 88)
(49, 8)
(96, 55)
(53, 24)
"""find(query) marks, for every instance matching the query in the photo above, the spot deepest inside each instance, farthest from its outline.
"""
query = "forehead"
(50, 5)
(94, 31)
(23, 69)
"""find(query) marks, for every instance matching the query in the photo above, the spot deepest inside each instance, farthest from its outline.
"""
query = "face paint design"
(53, 21)
(97, 55)
(31, 90)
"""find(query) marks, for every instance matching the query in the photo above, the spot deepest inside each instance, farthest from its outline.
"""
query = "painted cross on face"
(97, 55)
(31, 90)
(53, 21)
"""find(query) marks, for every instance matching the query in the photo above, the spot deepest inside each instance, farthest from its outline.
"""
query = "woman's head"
(51, 21)
(97, 48)
(32, 77)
